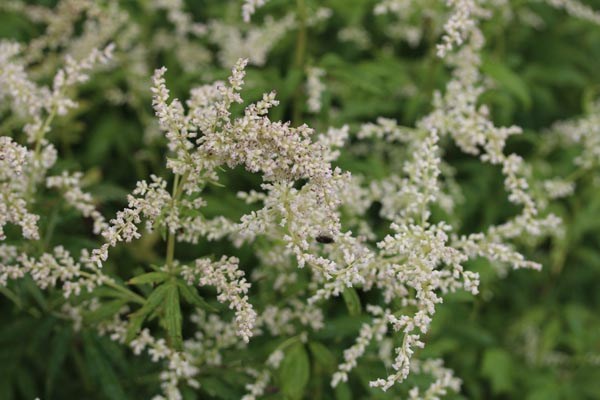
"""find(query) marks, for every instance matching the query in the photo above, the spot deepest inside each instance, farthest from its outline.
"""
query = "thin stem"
(39, 137)
(177, 192)
(171, 236)
(135, 297)
(50, 228)
(301, 38)
(578, 173)
(178, 184)
(299, 60)
(170, 249)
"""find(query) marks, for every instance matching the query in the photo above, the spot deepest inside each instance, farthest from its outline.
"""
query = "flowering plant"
(287, 231)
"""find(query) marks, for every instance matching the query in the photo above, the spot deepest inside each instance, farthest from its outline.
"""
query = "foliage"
(438, 154)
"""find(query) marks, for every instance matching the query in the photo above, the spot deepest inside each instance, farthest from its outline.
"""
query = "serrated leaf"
(173, 316)
(191, 296)
(137, 318)
(295, 372)
(135, 324)
(352, 301)
(150, 277)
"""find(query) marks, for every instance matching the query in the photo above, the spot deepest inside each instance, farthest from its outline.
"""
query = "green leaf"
(352, 301)
(6, 390)
(322, 355)
(105, 311)
(192, 297)
(135, 324)
(102, 370)
(173, 316)
(137, 318)
(497, 369)
(150, 277)
(508, 80)
(59, 348)
(548, 389)
(12, 297)
(25, 384)
(219, 389)
(35, 292)
(342, 391)
(105, 292)
(295, 372)
(17, 330)
(38, 341)
(292, 80)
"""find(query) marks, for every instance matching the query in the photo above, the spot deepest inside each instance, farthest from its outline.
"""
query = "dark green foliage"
(500, 343)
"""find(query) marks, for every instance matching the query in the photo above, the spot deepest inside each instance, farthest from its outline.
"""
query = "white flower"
(250, 7)
(231, 287)
(314, 88)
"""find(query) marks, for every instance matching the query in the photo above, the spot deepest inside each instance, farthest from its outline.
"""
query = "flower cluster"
(254, 42)
(460, 25)
(14, 158)
(584, 131)
(70, 185)
(577, 9)
(250, 7)
(314, 88)
(231, 287)
(309, 221)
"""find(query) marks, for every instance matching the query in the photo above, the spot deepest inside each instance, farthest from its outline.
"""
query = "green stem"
(301, 38)
(177, 192)
(170, 249)
(171, 236)
(134, 296)
(131, 294)
(39, 138)
(299, 60)
(50, 228)
(178, 184)
(578, 173)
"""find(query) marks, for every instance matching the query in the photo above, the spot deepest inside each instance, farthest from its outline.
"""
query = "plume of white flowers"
(70, 185)
(14, 158)
(424, 258)
(249, 7)
(314, 88)
(178, 366)
(584, 131)
(444, 380)
(254, 42)
(21, 169)
(299, 204)
(231, 287)
(576, 9)
(461, 24)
